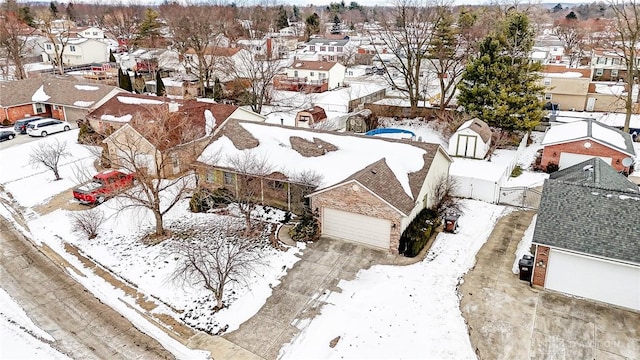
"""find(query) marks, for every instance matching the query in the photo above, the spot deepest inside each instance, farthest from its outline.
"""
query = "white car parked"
(47, 126)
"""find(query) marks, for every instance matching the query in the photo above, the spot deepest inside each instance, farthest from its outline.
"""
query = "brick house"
(57, 97)
(167, 136)
(571, 143)
(368, 189)
(586, 235)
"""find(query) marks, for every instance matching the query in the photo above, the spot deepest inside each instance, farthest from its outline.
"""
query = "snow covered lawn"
(395, 312)
(148, 268)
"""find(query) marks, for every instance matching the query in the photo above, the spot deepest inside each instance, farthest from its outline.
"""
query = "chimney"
(173, 107)
(269, 48)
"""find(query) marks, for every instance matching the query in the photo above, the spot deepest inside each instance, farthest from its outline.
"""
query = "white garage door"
(570, 159)
(601, 280)
(357, 228)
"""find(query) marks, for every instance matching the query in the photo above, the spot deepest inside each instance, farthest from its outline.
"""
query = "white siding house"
(78, 51)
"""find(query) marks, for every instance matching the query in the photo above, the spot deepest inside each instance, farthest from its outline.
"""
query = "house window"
(311, 73)
(332, 58)
(547, 96)
(48, 46)
(228, 178)
(323, 48)
(599, 72)
(331, 48)
(339, 49)
(276, 185)
(312, 48)
(211, 176)
(304, 118)
(614, 73)
(616, 61)
(295, 73)
(72, 48)
(56, 107)
(95, 33)
(547, 82)
(39, 108)
(601, 60)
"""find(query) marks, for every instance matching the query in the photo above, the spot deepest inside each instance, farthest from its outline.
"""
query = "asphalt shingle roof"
(61, 91)
(595, 173)
(589, 220)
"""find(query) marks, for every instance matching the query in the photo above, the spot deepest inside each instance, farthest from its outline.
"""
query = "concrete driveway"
(300, 294)
(508, 319)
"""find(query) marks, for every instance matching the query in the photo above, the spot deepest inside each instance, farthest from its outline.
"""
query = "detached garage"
(586, 235)
(471, 140)
(568, 144)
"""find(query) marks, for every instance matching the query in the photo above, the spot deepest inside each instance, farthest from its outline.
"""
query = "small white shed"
(471, 140)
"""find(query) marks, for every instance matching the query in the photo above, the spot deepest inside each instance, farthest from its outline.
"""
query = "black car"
(21, 125)
(7, 134)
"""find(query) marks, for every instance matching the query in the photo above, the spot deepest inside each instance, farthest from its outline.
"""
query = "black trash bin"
(526, 267)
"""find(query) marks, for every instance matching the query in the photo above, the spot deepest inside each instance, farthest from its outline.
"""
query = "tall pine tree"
(501, 86)
(124, 81)
(160, 90)
(282, 19)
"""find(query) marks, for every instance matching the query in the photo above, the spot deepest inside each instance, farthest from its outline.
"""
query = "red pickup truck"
(104, 185)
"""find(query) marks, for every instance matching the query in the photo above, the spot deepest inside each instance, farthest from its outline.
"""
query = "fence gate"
(520, 196)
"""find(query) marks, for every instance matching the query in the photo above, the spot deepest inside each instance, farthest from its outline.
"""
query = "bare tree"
(160, 139)
(49, 154)
(122, 21)
(627, 16)
(14, 39)
(216, 257)
(197, 36)
(442, 191)
(257, 76)
(88, 222)
(58, 36)
(251, 170)
(572, 32)
(406, 32)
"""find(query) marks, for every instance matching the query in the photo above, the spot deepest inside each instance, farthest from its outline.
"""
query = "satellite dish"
(626, 162)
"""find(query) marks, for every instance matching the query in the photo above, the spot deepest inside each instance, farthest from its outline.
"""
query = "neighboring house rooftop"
(328, 42)
(394, 170)
(122, 108)
(313, 65)
(53, 90)
(317, 112)
(479, 127)
(589, 129)
(595, 173)
(589, 220)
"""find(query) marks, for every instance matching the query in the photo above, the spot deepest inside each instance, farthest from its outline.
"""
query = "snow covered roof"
(313, 65)
(478, 126)
(52, 90)
(589, 129)
(124, 107)
(394, 170)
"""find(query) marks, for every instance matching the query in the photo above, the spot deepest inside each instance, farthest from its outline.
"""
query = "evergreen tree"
(217, 90)
(149, 28)
(53, 9)
(282, 20)
(296, 14)
(112, 57)
(70, 12)
(571, 16)
(335, 29)
(25, 15)
(312, 25)
(557, 8)
(124, 81)
(500, 85)
(160, 90)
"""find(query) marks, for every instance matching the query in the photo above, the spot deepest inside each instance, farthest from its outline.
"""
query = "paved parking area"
(508, 319)
(299, 295)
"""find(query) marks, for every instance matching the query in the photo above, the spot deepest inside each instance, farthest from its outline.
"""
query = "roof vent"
(373, 172)
(588, 168)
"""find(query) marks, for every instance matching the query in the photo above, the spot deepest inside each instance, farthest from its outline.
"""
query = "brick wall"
(18, 112)
(354, 198)
(551, 153)
(540, 265)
